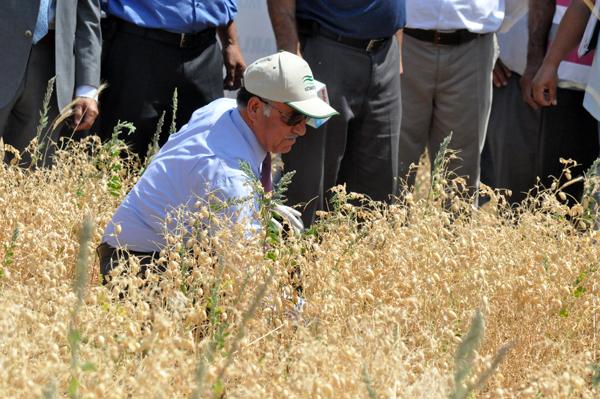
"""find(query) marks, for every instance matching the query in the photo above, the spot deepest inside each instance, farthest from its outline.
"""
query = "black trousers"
(142, 74)
(20, 118)
(567, 131)
(109, 258)
(509, 157)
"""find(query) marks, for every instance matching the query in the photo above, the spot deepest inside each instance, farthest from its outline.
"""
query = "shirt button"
(28, 33)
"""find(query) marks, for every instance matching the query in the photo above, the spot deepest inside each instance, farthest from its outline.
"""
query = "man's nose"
(300, 128)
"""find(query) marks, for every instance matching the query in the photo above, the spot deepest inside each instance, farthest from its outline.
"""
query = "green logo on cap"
(309, 82)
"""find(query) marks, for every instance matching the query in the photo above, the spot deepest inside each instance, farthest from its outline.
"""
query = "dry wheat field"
(426, 298)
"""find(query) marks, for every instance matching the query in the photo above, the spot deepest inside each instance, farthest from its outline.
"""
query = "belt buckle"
(437, 37)
(182, 37)
(371, 45)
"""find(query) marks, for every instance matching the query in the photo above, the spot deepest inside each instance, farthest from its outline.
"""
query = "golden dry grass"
(389, 300)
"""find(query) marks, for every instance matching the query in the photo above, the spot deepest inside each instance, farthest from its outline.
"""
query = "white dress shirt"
(513, 46)
(478, 16)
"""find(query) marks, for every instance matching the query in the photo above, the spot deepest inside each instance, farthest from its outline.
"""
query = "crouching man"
(205, 156)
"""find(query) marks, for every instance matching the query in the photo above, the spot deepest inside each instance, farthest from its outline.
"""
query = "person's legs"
(420, 63)
(137, 94)
(200, 81)
(462, 104)
(141, 95)
(110, 257)
(370, 164)
(567, 131)
(511, 142)
(317, 156)
(23, 118)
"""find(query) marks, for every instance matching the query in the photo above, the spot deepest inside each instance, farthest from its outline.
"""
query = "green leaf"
(88, 366)
(369, 383)
(582, 276)
(563, 313)
(73, 386)
(74, 336)
(271, 255)
(579, 291)
(596, 374)
(218, 388)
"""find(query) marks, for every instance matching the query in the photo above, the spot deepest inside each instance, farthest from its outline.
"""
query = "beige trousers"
(446, 89)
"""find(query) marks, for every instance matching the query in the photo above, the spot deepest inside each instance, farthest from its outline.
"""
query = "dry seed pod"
(562, 196)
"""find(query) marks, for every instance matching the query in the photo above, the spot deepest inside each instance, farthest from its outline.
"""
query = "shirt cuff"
(87, 91)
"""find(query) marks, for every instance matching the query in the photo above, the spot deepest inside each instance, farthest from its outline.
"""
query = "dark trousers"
(567, 131)
(359, 147)
(509, 157)
(142, 74)
(20, 118)
(109, 258)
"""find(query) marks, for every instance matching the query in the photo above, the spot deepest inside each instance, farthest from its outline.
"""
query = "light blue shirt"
(203, 157)
(178, 16)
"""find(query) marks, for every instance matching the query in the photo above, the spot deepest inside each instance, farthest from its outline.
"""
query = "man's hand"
(234, 66)
(232, 56)
(501, 74)
(85, 111)
(544, 85)
(526, 85)
(291, 216)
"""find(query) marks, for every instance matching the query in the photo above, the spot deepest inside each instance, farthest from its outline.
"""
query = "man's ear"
(254, 108)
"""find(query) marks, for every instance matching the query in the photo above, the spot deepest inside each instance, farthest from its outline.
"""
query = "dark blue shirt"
(360, 19)
(179, 16)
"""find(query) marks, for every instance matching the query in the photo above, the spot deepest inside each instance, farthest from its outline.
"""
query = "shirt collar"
(258, 152)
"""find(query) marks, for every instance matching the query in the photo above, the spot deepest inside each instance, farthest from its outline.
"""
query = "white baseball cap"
(287, 78)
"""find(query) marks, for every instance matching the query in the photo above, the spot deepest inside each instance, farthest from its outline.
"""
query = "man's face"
(278, 126)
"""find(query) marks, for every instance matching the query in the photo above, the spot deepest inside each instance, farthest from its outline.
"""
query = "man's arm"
(283, 20)
(540, 17)
(399, 38)
(232, 56)
(88, 41)
(569, 34)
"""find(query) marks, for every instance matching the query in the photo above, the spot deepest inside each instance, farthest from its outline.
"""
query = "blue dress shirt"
(178, 16)
(203, 157)
(360, 19)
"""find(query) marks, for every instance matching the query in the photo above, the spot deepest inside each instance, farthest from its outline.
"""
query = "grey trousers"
(446, 89)
(20, 118)
(509, 156)
(359, 147)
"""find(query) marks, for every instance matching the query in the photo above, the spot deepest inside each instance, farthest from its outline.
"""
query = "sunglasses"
(293, 119)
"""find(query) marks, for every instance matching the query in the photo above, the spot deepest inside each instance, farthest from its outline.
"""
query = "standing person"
(568, 129)
(40, 39)
(447, 81)
(204, 157)
(352, 48)
(154, 47)
(509, 157)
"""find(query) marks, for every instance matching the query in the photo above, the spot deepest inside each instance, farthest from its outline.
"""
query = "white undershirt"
(478, 16)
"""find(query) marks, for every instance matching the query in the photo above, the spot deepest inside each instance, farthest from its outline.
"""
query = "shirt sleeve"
(234, 199)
